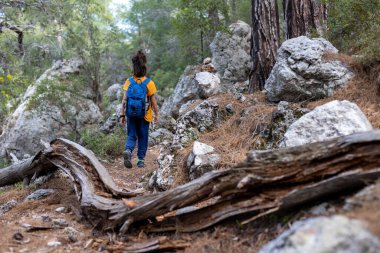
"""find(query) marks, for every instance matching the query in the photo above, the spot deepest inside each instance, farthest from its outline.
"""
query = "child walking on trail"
(138, 101)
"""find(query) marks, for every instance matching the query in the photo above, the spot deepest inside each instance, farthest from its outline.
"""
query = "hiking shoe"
(127, 155)
(140, 164)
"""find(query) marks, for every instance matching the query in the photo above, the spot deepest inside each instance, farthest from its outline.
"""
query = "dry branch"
(161, 244)
(267, 182)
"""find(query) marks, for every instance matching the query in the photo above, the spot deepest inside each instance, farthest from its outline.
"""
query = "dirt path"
(42, 213)
(131, 178)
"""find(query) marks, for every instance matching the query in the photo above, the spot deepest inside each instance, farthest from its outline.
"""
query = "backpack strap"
(146, 81)
(132, 80)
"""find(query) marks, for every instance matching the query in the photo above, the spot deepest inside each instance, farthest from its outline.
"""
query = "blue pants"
(138, 130)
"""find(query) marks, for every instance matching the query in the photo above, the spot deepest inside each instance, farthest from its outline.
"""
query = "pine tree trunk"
(234, 10)
(264, 42)
(303, 17)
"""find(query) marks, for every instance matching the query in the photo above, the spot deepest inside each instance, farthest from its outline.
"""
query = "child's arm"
(155, 107)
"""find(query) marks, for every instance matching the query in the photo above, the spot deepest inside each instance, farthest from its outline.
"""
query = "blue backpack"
(136, 99)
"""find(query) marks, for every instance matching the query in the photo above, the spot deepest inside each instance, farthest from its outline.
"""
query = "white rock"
(325, 235)
(202, 159)
(61, 209)
(206, 61)
(301, 73)
(209, 84)
(200, 148)
(325, 122)
(54, 244)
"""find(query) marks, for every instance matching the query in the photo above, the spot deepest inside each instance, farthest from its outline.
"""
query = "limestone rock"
(202, 159)
(301, 73)
(193, 84)
(187, 106)
(325, 235)
(231, 53)
(281, 120)
(6, 207)
(40, 194)
(115, 92)
(50, 108)
(60, 223)
(167, 122)
(202, 118)
(209, 84)
(336, 118)
(72, 233)
(110, 124)
(184, 91)
(160, 135)
(163, 177)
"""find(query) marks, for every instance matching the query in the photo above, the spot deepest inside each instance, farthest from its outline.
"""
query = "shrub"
(354, 27)
(4, 163)
(105, 145)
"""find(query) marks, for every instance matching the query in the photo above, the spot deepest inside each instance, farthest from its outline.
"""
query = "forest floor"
(229, 236)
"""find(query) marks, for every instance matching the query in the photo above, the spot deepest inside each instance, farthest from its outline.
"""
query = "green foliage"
(354, 27)
(4, 163)
(178, 33)
(19, 186)
(166, 80)
(196, 24)
(105, 145)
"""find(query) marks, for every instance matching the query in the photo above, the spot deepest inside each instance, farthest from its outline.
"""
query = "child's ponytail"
(139, 64)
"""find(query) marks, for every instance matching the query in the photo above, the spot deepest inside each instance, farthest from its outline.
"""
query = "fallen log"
(25, 168)
(267, 182)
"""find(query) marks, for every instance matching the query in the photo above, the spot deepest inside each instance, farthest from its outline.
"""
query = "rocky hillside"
(210, 122)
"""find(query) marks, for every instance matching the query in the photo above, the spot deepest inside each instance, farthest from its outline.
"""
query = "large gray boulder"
(114, 95)
(52, 107)
(334, 119)
(301, 73)
(193, 84)
(337, 234)
(231, 53)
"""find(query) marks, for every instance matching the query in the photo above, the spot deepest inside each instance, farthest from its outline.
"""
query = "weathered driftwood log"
(267, 182)
(25, 168)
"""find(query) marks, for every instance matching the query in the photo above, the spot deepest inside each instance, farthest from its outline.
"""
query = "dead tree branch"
(268, 181)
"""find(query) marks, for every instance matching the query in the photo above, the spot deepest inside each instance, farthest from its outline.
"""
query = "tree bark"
(302, 17)
(264, 41)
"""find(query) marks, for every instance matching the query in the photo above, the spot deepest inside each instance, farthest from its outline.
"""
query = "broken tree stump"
(267, 182)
